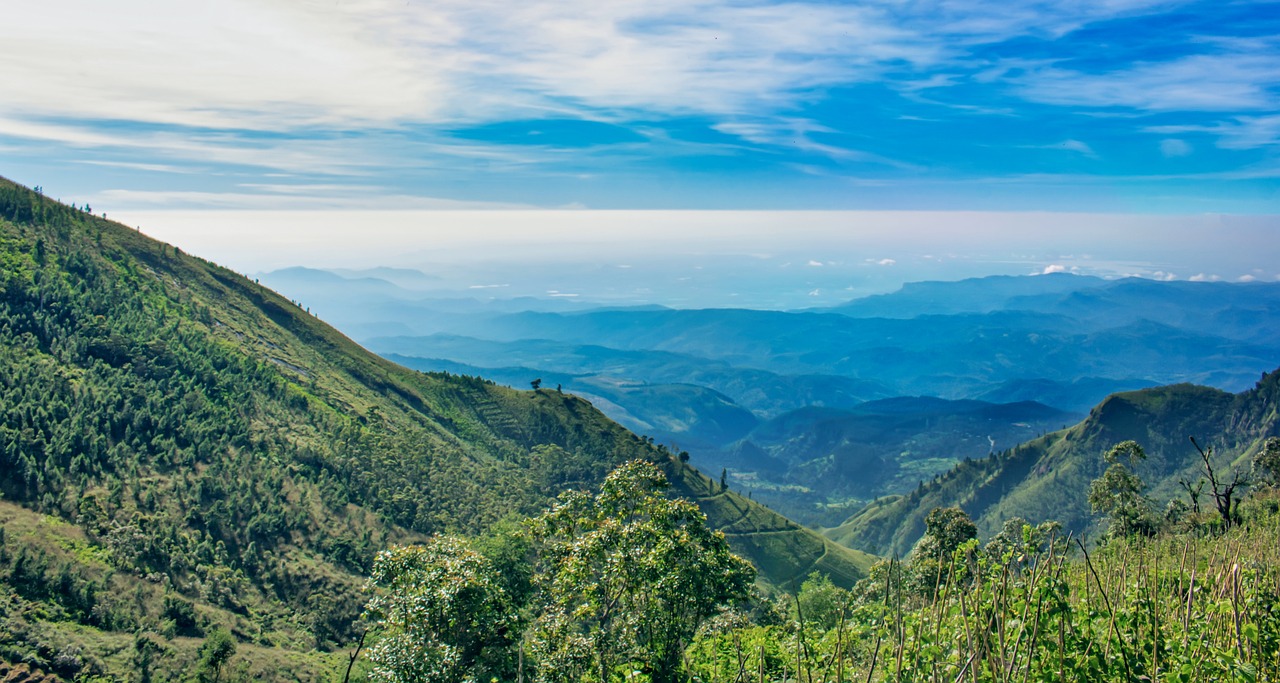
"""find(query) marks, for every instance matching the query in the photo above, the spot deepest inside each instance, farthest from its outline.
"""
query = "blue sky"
(1105, 106)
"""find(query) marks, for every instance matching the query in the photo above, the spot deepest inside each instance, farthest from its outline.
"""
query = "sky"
(175, 113)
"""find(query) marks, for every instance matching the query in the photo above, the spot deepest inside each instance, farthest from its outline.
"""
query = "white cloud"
(1076, 146)
(281, 65)
(1054, 268)
(795, 134)
(211, 63)
(189, 84)
(1206, 82)
(1173, 147)
(1247, 278)
(287, 155)
(984, 21)
(297, 198)
(136, 166)
(815, 264)
(1202, 277)
(285, 65)
(1240, 132)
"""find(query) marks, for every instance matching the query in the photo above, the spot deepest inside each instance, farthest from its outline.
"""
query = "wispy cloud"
(287, 198)
(1240, 132)
(796, 134)
(785, 93)
(282, 65)
(1077, 146)
(1212, 82)
(209, 148)
(1174, 147)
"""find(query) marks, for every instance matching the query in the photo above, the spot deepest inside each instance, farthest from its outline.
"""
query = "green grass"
(1181, 607)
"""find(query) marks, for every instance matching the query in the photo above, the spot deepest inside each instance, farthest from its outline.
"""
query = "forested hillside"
(187, 457)
(1048, 478)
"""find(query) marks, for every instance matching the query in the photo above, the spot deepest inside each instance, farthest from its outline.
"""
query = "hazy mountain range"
(788, 401)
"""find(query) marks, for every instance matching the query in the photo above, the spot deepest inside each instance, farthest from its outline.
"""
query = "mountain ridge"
(1047, 478)
(222, 458)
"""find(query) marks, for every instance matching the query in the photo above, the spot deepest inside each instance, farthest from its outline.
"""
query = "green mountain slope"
(841, 459)
(211, 455)
(1048, 478)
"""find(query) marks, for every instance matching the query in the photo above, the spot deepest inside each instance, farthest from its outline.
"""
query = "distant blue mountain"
(792, 402)
(974, 295)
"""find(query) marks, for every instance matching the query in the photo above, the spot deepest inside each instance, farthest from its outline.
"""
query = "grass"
(1179, 607)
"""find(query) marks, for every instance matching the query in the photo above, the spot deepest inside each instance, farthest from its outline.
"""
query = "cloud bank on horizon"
(1133, 106)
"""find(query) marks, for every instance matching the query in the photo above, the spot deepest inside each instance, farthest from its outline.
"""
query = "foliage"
(214, 654)
(946, 529)
(225, 458)
(1266, 464)
(1175, 607)
(219, 457)
(627, 576)
(1118, 492)
(437, 608)
(1049, 478)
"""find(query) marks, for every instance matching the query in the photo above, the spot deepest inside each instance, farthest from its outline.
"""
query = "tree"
(1266, 464)
(214, 654)
(627, 577)
(436, 609)
(1224, 493)
(1019, 541)
(821, 603)
(536, 384)
(946, 529)
(1118, 492)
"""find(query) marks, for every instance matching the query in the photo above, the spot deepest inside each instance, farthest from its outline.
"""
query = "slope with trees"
(1049, 477)
(183, 451)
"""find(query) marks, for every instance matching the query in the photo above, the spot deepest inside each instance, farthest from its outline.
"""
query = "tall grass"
(1186, 607)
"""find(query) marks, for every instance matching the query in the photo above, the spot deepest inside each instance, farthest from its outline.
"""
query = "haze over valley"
(819, 411)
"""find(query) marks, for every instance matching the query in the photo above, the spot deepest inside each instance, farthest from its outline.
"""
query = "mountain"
(766, 394)
(972, 295)
(182, 449)
(1241, 311)
(1048, 478)
(384, 301)
(995, 338)
(1078, 396)
(960, 355)
(813, 464)
(690, 377)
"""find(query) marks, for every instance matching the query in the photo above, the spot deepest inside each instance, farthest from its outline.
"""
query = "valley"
(818, 412)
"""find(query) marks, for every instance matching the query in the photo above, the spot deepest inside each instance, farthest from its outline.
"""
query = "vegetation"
(438, 608)
(620, 586)
(623, 579)
(184, 452)
(1049, 478)
(1032, 605)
